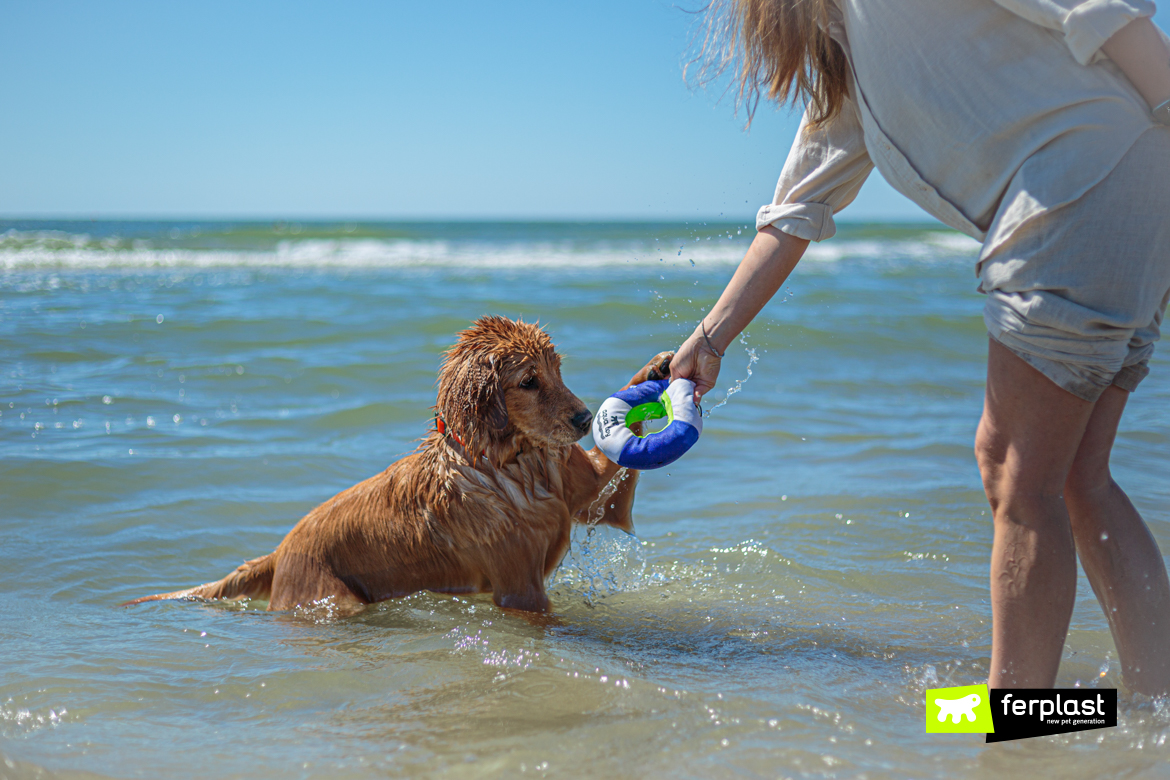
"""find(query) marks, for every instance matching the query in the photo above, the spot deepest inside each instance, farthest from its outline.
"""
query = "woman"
(1035, 126)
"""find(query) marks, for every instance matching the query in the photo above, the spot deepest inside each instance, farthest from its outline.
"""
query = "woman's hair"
(782, 46)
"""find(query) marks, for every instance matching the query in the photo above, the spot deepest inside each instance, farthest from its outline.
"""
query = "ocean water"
(175, 396)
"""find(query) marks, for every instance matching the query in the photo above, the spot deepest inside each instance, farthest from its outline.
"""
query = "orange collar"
(441, 427)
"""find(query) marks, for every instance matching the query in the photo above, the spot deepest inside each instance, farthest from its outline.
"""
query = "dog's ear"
(490, 401)
(471, 398)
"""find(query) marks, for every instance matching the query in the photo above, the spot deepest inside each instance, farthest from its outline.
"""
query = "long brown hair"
(778, 46)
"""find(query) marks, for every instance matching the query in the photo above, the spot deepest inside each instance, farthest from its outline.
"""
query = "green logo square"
(962, 710)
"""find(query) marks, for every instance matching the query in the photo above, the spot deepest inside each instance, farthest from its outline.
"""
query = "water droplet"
(159, 319)
(752, 359)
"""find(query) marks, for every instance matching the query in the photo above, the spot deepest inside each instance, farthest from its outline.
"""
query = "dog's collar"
(441, 427)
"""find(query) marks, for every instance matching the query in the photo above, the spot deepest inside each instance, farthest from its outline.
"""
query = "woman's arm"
(1141, 53)
(823, 173)
(768, 262)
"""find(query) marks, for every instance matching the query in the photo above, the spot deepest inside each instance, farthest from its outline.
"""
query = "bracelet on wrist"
(1162, 113)
(706, 338)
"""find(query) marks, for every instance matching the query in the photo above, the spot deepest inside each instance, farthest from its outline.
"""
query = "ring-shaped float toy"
(651, 400)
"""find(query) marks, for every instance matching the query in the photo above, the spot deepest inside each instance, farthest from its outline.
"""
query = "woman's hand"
(695, 361)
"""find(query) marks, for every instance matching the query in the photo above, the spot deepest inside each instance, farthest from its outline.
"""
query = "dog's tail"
(253, 579)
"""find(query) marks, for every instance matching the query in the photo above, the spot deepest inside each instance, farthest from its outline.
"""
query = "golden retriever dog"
(484, 505)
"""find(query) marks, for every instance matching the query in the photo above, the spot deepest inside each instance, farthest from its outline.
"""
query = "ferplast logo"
(962, 710)
(1019, 713)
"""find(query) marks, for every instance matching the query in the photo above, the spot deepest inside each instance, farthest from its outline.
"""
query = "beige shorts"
(1079, 293)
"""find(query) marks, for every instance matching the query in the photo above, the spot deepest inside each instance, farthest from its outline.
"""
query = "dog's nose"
(582, 420)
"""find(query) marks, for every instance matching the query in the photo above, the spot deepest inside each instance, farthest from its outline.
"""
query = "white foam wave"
(924, 248)
(57, 250)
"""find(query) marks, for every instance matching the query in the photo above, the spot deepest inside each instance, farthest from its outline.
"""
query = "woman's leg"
(1119, 555)
(1027, 442)
(1082, 289)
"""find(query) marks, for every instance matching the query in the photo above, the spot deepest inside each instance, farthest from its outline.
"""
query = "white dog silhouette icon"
(957, 708)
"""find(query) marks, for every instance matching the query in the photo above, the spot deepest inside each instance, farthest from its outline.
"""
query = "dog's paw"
(657, 368)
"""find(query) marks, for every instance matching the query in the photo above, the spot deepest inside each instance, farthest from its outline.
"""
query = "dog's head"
(503, 378)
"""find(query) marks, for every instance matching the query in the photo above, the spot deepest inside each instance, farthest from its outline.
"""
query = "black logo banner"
(1019, 713)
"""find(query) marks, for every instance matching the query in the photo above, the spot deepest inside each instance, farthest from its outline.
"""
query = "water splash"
(752, 359)
(599, 561)
(602, 561)
(594, 517)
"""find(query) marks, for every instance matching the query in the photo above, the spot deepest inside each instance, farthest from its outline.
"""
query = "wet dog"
(485, 505)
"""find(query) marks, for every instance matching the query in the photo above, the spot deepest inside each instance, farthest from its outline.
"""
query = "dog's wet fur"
(485, 505)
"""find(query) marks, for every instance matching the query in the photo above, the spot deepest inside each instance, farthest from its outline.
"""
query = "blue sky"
(383, 110)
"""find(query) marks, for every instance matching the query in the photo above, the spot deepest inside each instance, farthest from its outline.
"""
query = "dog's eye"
(528, 384)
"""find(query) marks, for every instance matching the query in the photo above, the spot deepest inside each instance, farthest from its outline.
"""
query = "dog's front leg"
(588, 479)
(593, 472)
(528, 598)
(657, 368)
(516, 570)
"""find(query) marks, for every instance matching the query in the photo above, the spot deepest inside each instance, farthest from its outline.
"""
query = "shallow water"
(174, 396)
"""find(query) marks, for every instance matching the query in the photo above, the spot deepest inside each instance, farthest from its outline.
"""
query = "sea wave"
(54, 249)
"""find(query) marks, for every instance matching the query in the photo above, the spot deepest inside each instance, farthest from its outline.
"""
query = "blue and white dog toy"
(649, 401)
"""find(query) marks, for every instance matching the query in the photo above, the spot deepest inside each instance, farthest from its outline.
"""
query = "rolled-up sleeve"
(824, 171)
(1086, 24)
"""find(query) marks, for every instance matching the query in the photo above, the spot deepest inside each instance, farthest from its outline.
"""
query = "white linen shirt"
(985, 113)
